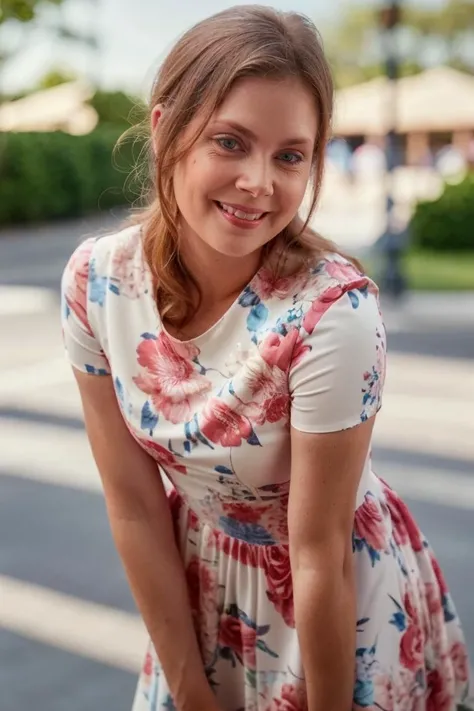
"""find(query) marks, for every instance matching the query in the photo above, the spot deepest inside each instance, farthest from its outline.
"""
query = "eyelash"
(220, 140)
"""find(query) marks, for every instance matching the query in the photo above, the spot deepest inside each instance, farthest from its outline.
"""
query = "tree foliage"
(22, 10)
(355, 44)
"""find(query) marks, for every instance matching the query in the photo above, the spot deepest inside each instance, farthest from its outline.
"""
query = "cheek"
(187, 185)
(295, 192)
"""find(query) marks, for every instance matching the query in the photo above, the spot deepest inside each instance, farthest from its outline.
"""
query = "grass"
(439, 271)
(431, 271)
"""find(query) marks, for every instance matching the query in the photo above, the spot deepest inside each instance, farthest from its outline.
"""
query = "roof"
(62, 107)
(439, 99)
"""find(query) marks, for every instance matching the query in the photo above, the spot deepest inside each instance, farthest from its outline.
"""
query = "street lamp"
(393, 240)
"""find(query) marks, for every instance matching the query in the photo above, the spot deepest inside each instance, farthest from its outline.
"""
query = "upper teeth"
(241, 215)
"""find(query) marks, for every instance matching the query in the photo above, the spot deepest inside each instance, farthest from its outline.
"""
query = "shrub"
(117, 108)
(46, 176)
(446, 224)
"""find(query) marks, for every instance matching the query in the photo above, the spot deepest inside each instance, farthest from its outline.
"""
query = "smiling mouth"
(240, 214)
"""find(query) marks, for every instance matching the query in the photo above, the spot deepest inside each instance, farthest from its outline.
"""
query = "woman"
(243, 355)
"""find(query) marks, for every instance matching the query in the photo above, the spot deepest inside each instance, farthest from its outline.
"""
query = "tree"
(22, 10)
(355, 44)
(28, 14)
(55, 77)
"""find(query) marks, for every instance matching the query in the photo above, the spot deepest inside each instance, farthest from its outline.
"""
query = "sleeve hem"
(88, 369)
(327, 428)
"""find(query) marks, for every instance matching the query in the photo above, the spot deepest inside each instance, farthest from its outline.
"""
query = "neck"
(218, 276)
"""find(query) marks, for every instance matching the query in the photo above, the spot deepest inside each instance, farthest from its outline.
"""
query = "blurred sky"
(132, 36)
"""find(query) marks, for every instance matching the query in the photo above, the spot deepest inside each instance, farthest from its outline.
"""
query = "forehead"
(278, 107)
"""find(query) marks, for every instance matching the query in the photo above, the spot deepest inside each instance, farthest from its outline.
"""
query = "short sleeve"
(83, 349)
(337, 374)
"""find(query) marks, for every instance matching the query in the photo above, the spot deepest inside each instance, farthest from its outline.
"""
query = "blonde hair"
(195, 78)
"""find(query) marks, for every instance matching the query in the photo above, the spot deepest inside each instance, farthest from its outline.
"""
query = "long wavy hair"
(193, 81)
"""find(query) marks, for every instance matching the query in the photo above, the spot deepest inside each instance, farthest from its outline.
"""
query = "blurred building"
(61, 108)
(430, 110)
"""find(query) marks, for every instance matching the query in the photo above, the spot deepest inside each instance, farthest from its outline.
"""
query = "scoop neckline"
(209, 331)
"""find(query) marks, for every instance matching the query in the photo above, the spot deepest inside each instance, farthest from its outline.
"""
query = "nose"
(256, 177)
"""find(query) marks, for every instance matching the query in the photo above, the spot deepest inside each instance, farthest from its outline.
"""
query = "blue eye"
(229, 144)
(289, 157)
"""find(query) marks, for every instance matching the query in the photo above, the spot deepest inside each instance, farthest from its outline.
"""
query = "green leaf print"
(251, 678)
(262, 645)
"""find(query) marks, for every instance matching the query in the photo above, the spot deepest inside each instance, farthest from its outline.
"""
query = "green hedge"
(117, 108)
(446, 224)
(45, 176)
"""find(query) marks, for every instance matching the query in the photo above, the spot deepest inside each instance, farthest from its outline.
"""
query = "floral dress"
(214, 413)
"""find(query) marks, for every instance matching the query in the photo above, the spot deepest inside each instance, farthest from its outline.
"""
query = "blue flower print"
(257, 317)
(97, 285)
(249, 532)
(92, 370)
(248, 298)
(363, 693)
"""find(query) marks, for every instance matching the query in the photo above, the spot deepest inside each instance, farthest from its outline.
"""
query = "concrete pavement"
(70, 636)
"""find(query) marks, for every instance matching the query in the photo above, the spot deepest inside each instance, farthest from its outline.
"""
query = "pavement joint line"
(422, 484)
(47, 372)
(100, 633)
(26, 300)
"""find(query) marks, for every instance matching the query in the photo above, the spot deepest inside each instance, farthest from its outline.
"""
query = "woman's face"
(244, 180)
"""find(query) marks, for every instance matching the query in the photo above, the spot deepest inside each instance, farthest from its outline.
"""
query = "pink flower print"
(282, 351)
(76, 290)
(369, 524)
(163, 456)
(148, 665)
(440, 579)
(170, 379)
(291, 698)
(460, 661)
(236, 549)
(270, 395)
(411, 648)
(439, 696)
(342, 271)
(275, 561)
(383, 692)
(433, 600)
(319, 307)
(202, 588)
(266, 284)
(202, 585)
(405, 529)
(193, 521)
(222, 425)
(147, 671)
(243, 512)
(128, 268)
(239, 637)
(410, 604)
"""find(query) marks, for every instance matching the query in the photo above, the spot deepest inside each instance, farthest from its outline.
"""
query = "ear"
(156, 114)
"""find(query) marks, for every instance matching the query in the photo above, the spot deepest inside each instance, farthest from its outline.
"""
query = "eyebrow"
(297, 141)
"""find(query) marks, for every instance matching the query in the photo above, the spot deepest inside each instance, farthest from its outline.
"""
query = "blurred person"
(369, 161)
(450, 162)
(339, 153)
(220, 342)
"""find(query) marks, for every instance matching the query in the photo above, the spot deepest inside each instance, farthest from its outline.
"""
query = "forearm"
(157, 579)
(326, 622)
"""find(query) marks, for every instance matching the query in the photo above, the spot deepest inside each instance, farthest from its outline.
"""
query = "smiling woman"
(242, 357)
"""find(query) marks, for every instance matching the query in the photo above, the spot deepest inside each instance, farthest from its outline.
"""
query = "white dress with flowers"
(214, 413)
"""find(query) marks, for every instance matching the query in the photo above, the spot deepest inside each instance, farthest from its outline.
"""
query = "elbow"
(329, 558)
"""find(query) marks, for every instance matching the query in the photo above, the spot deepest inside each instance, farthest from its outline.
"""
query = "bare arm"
(336, 393)
(143, 532)
(326, 470)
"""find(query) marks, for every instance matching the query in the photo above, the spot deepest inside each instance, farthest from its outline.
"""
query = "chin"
(237, 248)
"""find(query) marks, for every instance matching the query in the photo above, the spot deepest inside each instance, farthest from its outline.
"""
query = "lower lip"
(238, 222)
